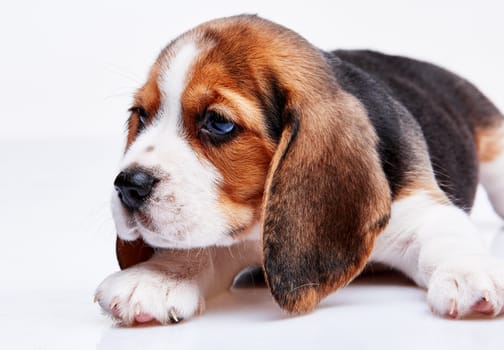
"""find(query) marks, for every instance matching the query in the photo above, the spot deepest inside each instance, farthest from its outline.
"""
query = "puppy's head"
(241, 129)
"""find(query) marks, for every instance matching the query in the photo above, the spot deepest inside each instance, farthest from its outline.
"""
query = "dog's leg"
(173, 284)
(491, 154)
(437, 245)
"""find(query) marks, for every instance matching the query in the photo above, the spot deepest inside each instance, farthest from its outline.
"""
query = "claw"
(201, 306)
(114, 309)
(486, 296)
(173, 316)
(453, 309)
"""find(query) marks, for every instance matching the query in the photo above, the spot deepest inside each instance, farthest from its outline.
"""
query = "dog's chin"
(169, 241)
(162, 228)
(157, 240)
(132, 227)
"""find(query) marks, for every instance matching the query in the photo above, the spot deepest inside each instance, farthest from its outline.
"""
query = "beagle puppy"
(248, 146)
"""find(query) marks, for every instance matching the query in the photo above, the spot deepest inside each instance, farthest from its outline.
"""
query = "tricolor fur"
(334, 159)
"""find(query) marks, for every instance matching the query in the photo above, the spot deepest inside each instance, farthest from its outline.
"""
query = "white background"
(67, 74)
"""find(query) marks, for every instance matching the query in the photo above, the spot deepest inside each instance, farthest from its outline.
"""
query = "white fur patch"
(254, 234)
(172, 82)
(438, 247)
(466, 284)
(127, 294)
(183, 209)
(417, 220)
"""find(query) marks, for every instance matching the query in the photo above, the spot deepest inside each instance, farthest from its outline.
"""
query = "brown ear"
(326, 199)
(131, 253)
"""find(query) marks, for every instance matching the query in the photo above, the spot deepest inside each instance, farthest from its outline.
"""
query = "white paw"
(467, 285)
(139, 295)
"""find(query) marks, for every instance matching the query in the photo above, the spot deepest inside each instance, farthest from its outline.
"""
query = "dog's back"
(450, 111)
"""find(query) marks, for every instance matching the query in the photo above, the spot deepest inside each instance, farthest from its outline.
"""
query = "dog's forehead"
(208, 68)
(174, 74)
(198, 71)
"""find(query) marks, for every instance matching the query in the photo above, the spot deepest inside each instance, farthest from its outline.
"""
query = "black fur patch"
(394, 149)
(446, 107)
(272, 105)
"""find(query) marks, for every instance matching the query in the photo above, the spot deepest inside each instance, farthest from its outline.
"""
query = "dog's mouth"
(143, 221)
(156, 232)
(143, 226)
(158, 240)
(163, 222)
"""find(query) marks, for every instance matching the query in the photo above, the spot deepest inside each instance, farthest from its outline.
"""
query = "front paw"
(468, 285)
(140, 295)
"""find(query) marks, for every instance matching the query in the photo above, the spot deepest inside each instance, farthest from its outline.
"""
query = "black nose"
(133, 187)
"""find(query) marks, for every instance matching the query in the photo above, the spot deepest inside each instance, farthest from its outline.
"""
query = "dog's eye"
(217, 124)
(142, 116)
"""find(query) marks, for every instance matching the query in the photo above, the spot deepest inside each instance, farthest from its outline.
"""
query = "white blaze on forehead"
(173, 80)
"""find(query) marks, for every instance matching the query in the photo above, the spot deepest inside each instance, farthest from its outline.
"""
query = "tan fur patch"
(489, 142)
(425, 183)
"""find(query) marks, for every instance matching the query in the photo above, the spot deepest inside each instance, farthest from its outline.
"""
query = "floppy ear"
(132, 253)
(325, 201)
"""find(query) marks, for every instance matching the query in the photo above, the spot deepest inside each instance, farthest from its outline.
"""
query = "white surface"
(67, 72)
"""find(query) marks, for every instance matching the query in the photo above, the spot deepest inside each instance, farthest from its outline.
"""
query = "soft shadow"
(246, 304)
(250, 278)
(382, 276)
